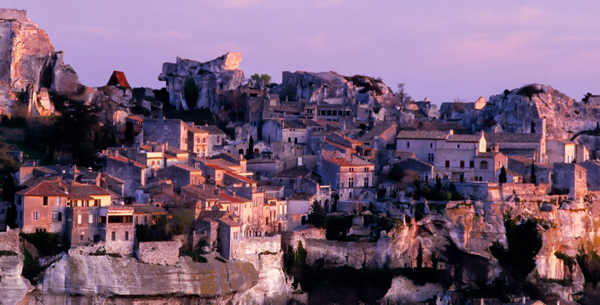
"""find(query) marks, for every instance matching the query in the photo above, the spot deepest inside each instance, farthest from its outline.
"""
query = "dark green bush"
(46, 243)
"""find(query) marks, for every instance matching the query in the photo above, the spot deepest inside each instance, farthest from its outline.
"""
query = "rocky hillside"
(564, 116)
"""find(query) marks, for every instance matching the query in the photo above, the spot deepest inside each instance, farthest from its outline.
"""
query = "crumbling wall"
(159, 252)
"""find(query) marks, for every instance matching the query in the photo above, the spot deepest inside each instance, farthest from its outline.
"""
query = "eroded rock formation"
(210, 78)
(28, 61)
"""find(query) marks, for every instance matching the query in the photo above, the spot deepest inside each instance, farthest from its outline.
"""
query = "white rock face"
(404, 291)
(28, 61)
(211, 77)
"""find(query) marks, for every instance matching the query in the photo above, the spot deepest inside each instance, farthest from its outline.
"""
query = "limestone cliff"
(84, 278)
(28, 61)
(211, 77)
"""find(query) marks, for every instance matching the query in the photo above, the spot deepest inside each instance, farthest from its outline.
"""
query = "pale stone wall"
(159, 252)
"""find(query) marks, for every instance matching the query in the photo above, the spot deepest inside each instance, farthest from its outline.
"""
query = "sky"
(443, 50)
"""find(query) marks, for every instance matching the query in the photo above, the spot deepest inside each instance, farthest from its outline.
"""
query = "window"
(462, 164)
(79, 219)
(407, 144)
(56, 216)
(90, 218)
(350, 182)
(471, 164)
(45, 200)
(366, 182)
(447, 163)
(36, 216)
(96, 202)
(483, 165)
(366, 169)
(430, 145)
(430, 158)
(351, 169)
(113, 235)
(81, 237)
(457, 145)
(126, 235)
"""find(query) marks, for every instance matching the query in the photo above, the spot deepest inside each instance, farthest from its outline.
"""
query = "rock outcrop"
(84, 278)
(210, 78)
(332, 88)
(13, 287)
(28, 61)
(564, 116)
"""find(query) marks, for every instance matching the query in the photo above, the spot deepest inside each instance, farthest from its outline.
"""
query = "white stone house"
(561, 151)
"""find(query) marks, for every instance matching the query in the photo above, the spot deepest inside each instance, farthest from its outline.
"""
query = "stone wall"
(159, 252)
(9, 240)
(19, 15)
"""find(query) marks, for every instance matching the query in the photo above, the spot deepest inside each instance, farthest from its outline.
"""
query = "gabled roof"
(415, 165)
(122, 159)
(211, 129)
(86, 191)
(422, 135)
(45, 188)
(293, 124)
(463, 138)
(118, 79)
(504, 137)
(340, 159)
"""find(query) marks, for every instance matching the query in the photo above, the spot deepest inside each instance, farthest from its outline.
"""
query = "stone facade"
(171, 131)
(570, 178)
(159, 253)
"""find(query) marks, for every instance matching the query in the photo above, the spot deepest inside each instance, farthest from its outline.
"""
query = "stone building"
(133, 173)
(171, 131)
(571, 179)
(42, 207)
(85, 203)
(423, 169)
(560, 151)
(181, 175)
(265, 167)
(120, 229)
(593, 174)
(230, 233)
(350, 176)
(197, 141)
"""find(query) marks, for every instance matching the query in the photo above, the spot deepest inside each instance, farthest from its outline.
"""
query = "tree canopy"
(266, 78)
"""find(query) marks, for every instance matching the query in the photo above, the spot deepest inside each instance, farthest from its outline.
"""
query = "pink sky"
(441, 49)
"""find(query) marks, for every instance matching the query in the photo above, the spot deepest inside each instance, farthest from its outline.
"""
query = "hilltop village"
(324, 188)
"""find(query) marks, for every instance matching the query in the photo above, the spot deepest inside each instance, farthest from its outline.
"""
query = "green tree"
(317, 216)
(420, 257)
(265, 78)
(502, 178)
(9, 189)
(181, 222)
(403, 95)
(533, 176)
(129, 133)
(191, 93)
(251, 145)
(73, 132)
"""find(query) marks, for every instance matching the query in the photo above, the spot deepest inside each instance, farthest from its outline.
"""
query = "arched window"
(483, 165)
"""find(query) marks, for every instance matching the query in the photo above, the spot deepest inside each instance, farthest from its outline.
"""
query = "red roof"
(45, 188)
(86, 191)
(118, 79)
(125, 160)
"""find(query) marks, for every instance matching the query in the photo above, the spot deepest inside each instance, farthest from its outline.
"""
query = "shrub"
(46, 243)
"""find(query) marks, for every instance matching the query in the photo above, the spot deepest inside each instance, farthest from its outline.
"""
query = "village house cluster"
(284, 156)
